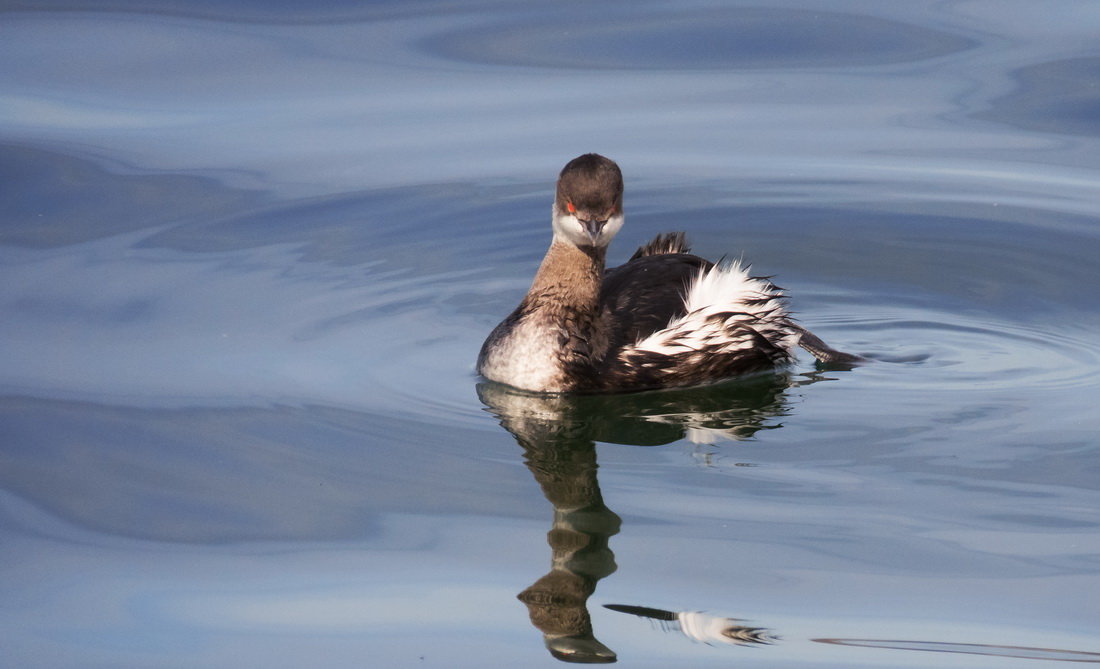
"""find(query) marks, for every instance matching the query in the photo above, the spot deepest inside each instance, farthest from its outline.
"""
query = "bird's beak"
(594, 228)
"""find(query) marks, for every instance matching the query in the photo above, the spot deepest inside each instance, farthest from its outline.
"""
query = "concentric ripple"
(954, 352)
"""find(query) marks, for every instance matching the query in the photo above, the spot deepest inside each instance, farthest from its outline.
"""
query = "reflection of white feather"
(699, 626)
(725, 307)
(707, 435)
(706, 628)
(705, 428)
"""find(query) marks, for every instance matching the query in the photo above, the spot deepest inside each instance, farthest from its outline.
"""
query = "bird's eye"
(570, 208)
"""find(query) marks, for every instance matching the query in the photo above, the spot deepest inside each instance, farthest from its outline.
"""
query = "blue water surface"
(249, 251)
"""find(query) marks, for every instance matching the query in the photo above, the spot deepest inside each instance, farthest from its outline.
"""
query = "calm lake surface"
(249, 251)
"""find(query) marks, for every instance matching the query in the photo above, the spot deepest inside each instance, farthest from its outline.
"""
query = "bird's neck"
(569, 276)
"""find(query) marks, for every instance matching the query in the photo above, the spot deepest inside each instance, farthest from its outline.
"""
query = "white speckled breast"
(527, 357)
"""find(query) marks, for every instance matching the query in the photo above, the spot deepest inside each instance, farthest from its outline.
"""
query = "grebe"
(663, 319)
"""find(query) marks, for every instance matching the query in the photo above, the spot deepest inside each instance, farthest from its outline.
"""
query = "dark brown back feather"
(646, 293)
(668, 242)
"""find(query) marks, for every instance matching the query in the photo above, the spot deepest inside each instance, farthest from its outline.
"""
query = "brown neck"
(569, 276)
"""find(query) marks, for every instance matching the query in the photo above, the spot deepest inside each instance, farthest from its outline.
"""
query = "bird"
(666, 318)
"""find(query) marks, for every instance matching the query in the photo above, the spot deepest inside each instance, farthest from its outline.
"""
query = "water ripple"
(956, 352)
(698, 39)
(989, 650)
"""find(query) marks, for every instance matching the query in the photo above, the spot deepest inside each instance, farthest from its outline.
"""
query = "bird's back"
(646, 293)
(737, 323)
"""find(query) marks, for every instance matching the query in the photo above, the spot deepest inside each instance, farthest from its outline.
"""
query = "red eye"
(569, 206)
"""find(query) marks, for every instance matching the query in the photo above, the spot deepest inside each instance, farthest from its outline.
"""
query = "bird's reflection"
(559, 434)
(730, 411)
(561, 454)
(580, 556)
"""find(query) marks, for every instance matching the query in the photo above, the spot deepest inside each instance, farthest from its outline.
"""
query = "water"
(249, 252)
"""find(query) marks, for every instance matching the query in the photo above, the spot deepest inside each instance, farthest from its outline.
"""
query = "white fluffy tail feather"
(719, 299)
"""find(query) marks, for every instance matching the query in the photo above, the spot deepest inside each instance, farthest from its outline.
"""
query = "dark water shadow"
(239, 11)
(247, 476)
(594, 37)
(1060, 97)
(52, 199)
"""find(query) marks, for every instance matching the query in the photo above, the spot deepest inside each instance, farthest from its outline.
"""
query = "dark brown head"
(588, 209)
